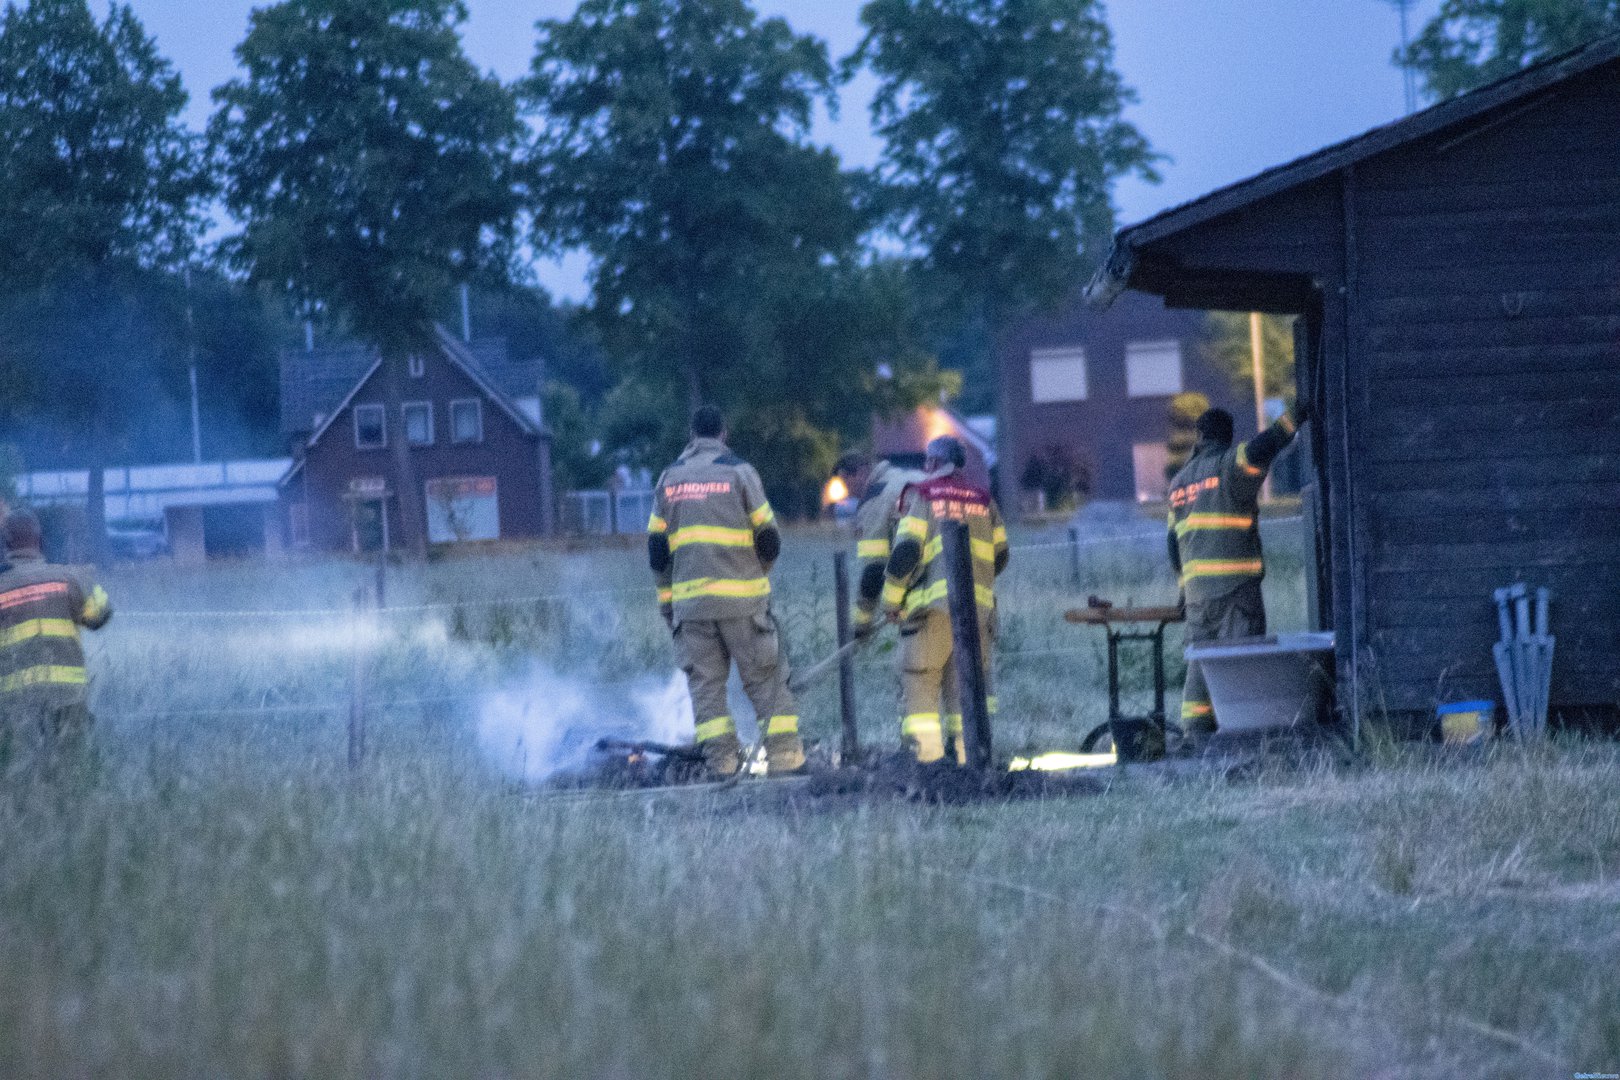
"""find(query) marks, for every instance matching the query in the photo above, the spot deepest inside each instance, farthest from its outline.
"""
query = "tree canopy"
(1472, 42)
(1003, 135)
(673, 146)
(96, 169)
(372, 166)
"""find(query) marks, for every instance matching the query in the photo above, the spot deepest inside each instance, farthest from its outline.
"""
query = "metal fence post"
(850, 745)
(969, 651)
(1074, 555)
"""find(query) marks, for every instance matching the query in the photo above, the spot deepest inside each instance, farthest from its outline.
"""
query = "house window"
(417, 367)
(418, 423)
(1057, 375)
(370, 427)
(467, 420)
(1153, 368)
(1151, 462)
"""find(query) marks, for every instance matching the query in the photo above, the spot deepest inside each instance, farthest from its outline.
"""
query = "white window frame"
(405, 422)
(1046, 391)
(416, 365)
(381, 412)
(1138, 350)
(478, 411)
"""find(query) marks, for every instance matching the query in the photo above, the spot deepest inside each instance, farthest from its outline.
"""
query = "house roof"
(1524, 89)
(461, 357)
(314, 383)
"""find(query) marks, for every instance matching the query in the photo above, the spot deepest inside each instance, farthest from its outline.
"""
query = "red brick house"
(1088, 392)
(476, 450)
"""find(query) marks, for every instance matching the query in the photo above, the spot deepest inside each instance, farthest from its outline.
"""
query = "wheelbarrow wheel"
(1099, 740)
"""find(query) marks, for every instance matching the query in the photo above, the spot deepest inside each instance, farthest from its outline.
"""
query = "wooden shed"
(1458, 277)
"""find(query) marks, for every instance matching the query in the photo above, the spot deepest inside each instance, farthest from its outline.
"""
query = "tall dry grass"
(213, 894)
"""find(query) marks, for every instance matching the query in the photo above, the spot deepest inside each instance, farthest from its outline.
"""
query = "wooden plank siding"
(1466, 388)
(1491, 358)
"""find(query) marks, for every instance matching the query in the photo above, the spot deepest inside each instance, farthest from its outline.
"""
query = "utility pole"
(1408, 76)
(1257, 352)
(191, 362)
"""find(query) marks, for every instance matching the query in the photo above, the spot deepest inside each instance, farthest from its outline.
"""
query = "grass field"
(214, 894)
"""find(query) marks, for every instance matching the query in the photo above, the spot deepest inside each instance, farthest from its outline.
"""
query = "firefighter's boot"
(722, 755)
(784, 752)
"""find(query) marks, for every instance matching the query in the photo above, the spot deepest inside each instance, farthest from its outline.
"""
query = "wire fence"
(360, 629)
(797, 576)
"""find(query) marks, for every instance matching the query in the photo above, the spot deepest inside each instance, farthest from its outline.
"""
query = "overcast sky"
(1227, 87)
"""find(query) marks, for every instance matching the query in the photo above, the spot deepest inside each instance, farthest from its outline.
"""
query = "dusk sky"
(1227, 87)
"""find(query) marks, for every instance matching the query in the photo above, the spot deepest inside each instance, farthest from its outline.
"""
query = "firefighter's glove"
(865, 628)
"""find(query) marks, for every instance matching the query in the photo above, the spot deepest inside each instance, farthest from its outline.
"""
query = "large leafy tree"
(1003, 131)
(373, 168)
(1472, 42)
(1231, 346)
(100, 188)
(673, 147)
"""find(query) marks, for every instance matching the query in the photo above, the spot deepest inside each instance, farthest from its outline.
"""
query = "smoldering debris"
(546, 728)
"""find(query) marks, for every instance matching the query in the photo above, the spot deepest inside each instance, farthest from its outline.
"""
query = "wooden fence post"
(968, 647)
(850, 745)
(357, 685)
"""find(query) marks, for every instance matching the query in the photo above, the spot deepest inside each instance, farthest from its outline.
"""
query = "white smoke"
(545, 723)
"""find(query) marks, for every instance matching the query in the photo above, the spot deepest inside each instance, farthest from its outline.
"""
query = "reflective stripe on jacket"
(41, 610)
(917, 578)
(711, 511)
(1215, 513)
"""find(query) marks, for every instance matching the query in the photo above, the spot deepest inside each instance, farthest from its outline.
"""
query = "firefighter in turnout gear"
(876, 516)
(1214, 543)
(711, 541)
(915, 594)
(43, 683)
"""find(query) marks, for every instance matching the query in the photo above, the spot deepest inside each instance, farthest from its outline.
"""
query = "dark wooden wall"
(1467, 388)
(1489, 349)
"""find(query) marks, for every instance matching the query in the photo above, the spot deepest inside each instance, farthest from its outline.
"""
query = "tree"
(1473, 42)
(373, 168)
(673, 147)
(1230, 346)
(100, 184)
(1003, 134)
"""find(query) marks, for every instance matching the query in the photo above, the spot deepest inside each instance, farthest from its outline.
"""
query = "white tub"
(1269, 683)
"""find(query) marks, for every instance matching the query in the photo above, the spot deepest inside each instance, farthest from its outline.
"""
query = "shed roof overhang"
(1134, 264)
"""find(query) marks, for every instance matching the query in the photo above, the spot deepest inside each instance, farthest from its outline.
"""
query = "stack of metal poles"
(1524, 659)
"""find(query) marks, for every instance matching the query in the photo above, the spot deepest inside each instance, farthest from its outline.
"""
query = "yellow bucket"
(1464, 723)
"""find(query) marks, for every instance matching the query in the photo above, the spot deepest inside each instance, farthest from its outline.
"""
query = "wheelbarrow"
(1131, 737)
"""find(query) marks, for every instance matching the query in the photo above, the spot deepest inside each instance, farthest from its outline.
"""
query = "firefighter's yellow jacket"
(712, 536)
(875, 521)
(917, 578)
(1214, 537)
(42, 608)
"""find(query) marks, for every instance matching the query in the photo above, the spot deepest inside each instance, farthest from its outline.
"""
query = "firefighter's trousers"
(930, 697)
(1237, 614)
(40, 734)
(707, 648)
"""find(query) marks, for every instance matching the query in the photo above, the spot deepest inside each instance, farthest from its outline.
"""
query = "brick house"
(474, 443)
(1089, 392)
